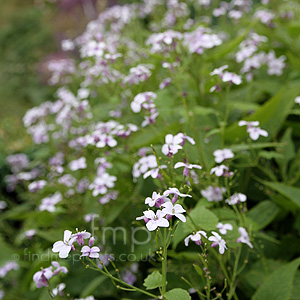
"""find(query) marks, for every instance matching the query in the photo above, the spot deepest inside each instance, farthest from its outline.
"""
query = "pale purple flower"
(232, 78)
(101, 184)
(218, 241)
(297, 100)
(49, 203)
(186, 167)
(10, 265)
(41, 278)
(244, 237)
(90, 217)
(128, 277)
(78, 164)
(36, 185)
(59, 268)
(64, 247)
(213, 194)
(18, 162)
(58, 291)
(81, 236)
(143, 165)
(156, 200)
(174, 210)
(166, 82)
(172, 144)
(236, 198)
(3, 205)
(222, 154)
(224, 227)
(67, 180)
(109, 196)
(275, 65)
(90, 252)
(30, 233)
(143, 100)
(195, 237)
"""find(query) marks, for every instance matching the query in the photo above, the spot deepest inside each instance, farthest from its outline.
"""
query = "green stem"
(122, 282)
(236, 263)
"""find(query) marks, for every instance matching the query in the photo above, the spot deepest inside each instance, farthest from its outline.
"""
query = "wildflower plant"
(167, 162)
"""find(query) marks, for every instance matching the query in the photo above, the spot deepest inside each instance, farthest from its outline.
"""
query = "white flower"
(219, 170)
(36, 185)
(156, 199)
(175, 210)
(297, 100)
(155, 220)
(244, 237)
(236, 198)
(64, 247)
(78, 164)
(218, 241)
(255, 132)
(172, 144)
(187, 167)
(196, 237)
(224, 227)
(222, 154)
(59, 289)
(176, 192)
(248, 124)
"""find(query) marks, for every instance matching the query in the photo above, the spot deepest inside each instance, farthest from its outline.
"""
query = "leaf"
(263, 213)
(91, 287)
(177, 294)
(271, 114)
(270, 154)
(279, 284)
(153, 281)
(290, 192)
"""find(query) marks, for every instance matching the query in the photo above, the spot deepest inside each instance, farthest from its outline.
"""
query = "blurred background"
(31, 32)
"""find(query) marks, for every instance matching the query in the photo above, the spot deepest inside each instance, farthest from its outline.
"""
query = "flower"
(253, 129)
(186, 167)
(224, 227)
(255, 132)
(222, 154)
(297, 100)
(244, 237)
(81, 236)
(156, 199)
(236, 198)
(154, 220)
(213, 194)
(195, 237)
(90, 252)
(29, 233)
(176, 192)
(10, 265)
(218, 241)
(174, 210)
(59, 268)
(59, 290)
(41, 278)
(36, 185)
(48, 203)
(172, 145)
(220, 170)
(64, 247)
(78, 164)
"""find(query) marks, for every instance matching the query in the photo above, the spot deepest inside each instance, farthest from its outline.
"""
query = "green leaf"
(279, 284)
(91, 287)
(177, 294)
(271, 115)
(290, 192)
(263, 213)
(153, 281)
